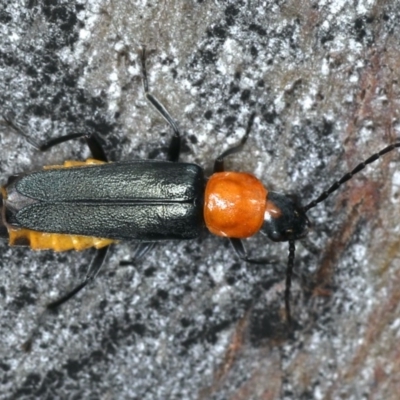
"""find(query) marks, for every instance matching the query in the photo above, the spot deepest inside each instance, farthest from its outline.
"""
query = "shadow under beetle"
(95, 203)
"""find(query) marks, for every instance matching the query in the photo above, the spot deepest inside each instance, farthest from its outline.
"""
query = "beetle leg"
(141, 250)
(175, 144)
(92, 140)
(238, 246)
(219, 162)
(3, 227)
(241, 252)
(94, 268)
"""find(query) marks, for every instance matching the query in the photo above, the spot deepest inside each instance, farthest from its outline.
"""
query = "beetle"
(96, 203)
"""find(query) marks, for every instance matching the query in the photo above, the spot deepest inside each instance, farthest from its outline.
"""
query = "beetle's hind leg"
(175, 144)
(92, 140)
(93, 270)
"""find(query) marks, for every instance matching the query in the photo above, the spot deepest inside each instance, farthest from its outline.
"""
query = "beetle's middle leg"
(175, 144)
(173, 150)
(92, 140)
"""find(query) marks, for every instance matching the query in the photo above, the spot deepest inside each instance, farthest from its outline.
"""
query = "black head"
(284, 219)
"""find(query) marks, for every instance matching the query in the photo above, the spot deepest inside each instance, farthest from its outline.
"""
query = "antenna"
(349, 175)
